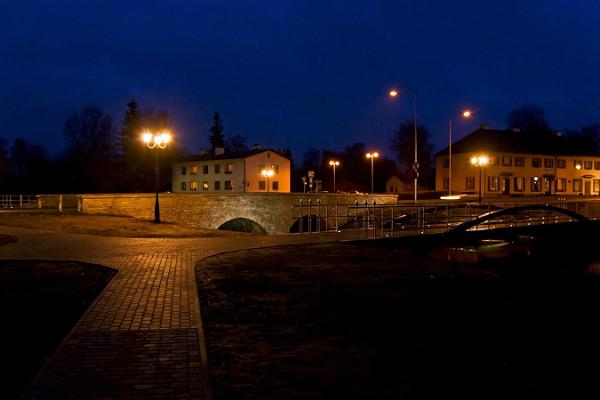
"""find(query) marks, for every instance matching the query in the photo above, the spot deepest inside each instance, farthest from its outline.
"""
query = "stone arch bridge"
(268, 212)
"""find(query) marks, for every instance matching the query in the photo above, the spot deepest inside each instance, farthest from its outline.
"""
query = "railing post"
(300, 219)
(20, 201)
(318, 216)
(309, 216)
(60, 203)
(337, 209)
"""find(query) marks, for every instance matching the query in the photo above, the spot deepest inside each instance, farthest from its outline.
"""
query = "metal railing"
(18, 201)
(371, 220)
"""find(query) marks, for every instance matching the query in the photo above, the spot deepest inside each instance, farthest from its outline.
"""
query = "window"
(536, 162)
(494, 161)
(275, 168)
(596, 185)
(275, 185)
(587, 164)
(217, 168)
(217, 185)
(519, 161)
(194, 169)
(596, 164)
(561, 184)
(470, 183)
(183, 170)
(262, 185)
(548, 163)
(561, 163)
(577, 164)
(228, 185)
(229, 168)
(493, 183)
(193, 185)
(260, 168)
(519, 184)
(183, 185)
(506, 161)
(446, 183)
(535, 184)
(205, 169)
(577, 185)
(205, 185)
(446, 163)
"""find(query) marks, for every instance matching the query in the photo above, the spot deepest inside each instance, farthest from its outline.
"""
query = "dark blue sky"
(298, 73)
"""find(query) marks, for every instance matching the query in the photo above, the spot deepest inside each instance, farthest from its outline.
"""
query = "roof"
(232, 156)
(510, 141)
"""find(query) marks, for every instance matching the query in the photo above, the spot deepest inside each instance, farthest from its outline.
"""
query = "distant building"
(518, 164)
(396, 185)
(233, 173)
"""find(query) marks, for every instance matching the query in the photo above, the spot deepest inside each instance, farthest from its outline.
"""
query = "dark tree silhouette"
(403, 145)
(529, 118)
(28, 165)
(236, 143)
(216, 137)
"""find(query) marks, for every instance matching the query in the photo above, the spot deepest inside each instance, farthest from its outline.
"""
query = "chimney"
(484, 126)
(219, 151)
(516, 130)
(256, 146)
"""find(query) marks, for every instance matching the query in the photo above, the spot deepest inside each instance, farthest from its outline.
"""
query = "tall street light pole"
(480, 162)
(466, 114)
(156, 142)
(415, 165)
(372, 156)
(334, 163)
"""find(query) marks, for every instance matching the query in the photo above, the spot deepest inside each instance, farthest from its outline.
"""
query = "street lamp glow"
(156, 141)
(467, 114)
(577, 166)
(393, 93)
(480, 161)
(334, 163)
(268, 173)
(372, 155)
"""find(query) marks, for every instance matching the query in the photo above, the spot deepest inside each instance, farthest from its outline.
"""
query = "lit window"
(470, 183)
(229, 168)
(260, 168)
(596, 185)
(275, 185)
(561, 184)
(205, 185)
(194, 169)
(183, 170)
(587, 164)
(183, 186)
(193, 185)
(262, 185)
(548, 163)
(217, 185)
(228, 185)
(596, 164)
(519, 184)
(536, 162)
(506, 161)
(493, 183)
(275, 168)
(577, 185)
(577, 164)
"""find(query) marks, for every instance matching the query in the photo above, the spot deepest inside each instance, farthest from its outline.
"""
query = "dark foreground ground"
(40, 302)
(342, 321)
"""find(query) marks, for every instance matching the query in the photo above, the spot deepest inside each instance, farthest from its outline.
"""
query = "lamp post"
(334, 163)
(268, 173)
(415, 166)
(465, 114)
(480, 162)
(156, 141)
(372, 156)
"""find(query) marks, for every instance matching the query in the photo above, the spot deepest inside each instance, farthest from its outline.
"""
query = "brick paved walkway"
(141, 339)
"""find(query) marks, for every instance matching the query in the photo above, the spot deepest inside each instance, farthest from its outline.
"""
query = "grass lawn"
(105, 225)
(341, 321)
(40, 302)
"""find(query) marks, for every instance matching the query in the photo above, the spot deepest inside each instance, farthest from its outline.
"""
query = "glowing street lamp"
(480, 162)
(268, 173)
(466, 114)
(156, 141)
(372, 155)
(334, 163)
(394, 93)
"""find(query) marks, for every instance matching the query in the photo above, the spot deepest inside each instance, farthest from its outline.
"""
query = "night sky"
(297, 73)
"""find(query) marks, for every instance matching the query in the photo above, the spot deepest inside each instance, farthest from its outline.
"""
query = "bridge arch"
(242, 225)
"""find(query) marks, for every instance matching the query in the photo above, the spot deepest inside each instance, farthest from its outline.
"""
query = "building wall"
(273, 211)
(498, 174)
(195, 181)
(267, 159)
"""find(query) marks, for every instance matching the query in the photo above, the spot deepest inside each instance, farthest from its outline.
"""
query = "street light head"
(147, 137)
(267, 173)
(393, 93)
(474, 160)
(467, 114)
(578, 166)
(333, 162)
(166, 137)
(375, 155)
(484, 160)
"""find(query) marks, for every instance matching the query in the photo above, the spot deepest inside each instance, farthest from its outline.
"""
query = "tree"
(529, 118)
(403, 145)
(131, 128)
(586, 140)
(216, 137)
(28, 165)
(236, 143)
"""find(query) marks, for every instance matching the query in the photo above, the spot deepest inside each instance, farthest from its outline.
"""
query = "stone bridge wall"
(273, 211)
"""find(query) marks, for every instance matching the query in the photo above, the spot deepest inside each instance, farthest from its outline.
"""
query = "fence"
(18, 201)
(370, 220)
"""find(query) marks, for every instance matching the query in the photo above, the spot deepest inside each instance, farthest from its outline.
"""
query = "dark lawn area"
(342, 321)
(40, 302)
